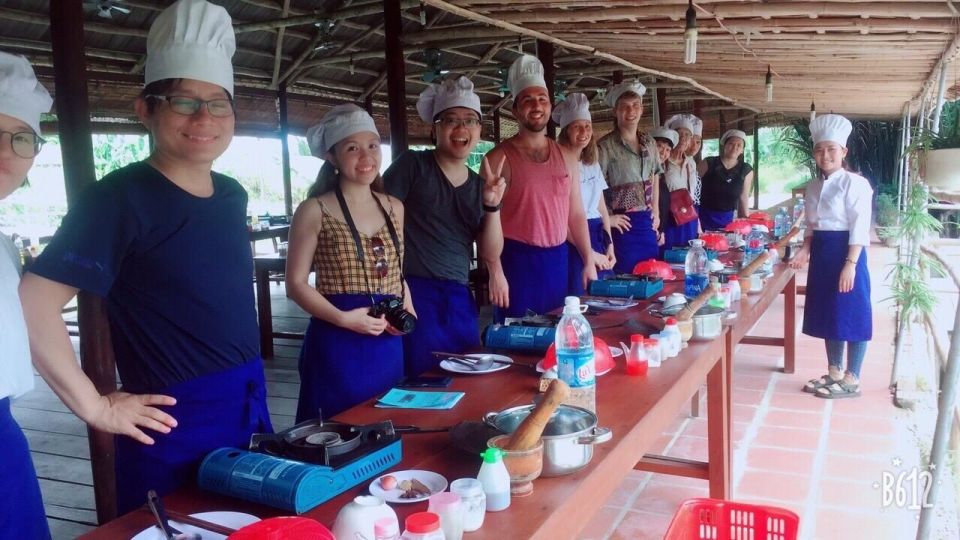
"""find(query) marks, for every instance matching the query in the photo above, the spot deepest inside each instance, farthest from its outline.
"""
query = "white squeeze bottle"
(575, 361)
(495, 479)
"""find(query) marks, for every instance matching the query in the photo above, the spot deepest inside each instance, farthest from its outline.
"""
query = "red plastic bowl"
(742, 226)
(602, 359)
(761, 218)
(661, 269)
(715, 241)
(284, 528)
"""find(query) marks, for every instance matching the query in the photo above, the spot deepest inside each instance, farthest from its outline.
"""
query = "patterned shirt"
(339, 271)
(629, 174)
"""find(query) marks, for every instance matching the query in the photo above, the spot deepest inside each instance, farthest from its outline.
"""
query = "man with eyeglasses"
(164, 242)
(448, 207)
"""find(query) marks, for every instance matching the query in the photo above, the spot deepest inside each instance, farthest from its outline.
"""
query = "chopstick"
(474, 360)
(197, 522)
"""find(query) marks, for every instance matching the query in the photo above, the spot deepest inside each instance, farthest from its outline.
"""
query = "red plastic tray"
(712, 519)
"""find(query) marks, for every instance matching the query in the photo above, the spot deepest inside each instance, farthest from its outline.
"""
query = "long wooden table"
(636, 409)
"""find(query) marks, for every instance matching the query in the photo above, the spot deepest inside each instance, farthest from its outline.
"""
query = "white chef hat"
(192, 39)
(732, 133)
(437, 98)
(698, 127)
(665, 133)
(21, 95)
(575, 107)
(678, 121)
(618, 90)
(525, 72)
(830, 127)
(339, 123)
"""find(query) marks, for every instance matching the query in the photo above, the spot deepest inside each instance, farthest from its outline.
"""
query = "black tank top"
(721, 187)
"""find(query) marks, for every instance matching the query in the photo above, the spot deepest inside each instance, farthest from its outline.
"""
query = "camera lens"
(402, 320)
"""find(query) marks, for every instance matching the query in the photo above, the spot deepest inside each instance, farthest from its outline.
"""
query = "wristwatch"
(851, 261)
(488, 208)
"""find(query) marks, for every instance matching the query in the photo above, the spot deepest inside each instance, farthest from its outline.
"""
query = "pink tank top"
(537, 202)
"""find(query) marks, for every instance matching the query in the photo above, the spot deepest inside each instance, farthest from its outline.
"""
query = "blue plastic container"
(625, 288)
(531, 339)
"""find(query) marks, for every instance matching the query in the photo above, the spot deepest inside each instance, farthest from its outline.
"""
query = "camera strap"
(358, 244)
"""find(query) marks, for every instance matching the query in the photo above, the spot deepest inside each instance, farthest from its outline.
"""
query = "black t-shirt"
(440, 221)
(721, 187)
(174, 269)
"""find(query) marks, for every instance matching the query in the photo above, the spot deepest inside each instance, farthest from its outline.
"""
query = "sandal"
(838, 390)
(815, 384)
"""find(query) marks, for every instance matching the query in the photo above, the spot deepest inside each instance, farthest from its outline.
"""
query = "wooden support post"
(285, 148)
(656, 106)
(496, 126)
(368, 104)
(698, 112)
(722, 121)
(617, 76)
(545, 54)
(396, 75)
(741, 116)
(756, 163)
(661, 96)
(76, 146)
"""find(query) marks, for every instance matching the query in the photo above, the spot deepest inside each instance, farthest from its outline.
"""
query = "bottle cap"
(697, 242)
(671, 320)
(492, 455)
(636, 338)
(422, 522)
(386, 526)
(571, 304)
(444, 500)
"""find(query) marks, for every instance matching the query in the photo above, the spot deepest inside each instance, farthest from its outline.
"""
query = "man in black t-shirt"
(448, 207)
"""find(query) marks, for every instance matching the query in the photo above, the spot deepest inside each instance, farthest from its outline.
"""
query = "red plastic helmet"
(715, 241)
(742, 226)
(602, 358)
(661, 269)
(284, 528)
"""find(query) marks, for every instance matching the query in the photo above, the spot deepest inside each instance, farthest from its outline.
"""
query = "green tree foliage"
(112, 151)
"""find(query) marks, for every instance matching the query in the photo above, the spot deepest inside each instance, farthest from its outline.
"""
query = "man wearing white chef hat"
(22, 100)
(628, 159)
(164, 241)
(540, 206)
(448, 208)
(838, 212)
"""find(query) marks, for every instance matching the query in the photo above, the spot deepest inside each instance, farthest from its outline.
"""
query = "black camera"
(398, 317)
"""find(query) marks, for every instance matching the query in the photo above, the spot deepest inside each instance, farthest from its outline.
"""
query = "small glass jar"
(447, 505)
(651, 347)
(473, 500)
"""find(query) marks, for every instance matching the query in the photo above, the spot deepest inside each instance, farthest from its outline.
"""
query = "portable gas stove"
(304, 466)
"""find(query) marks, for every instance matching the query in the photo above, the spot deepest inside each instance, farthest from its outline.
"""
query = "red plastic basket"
(713, 519)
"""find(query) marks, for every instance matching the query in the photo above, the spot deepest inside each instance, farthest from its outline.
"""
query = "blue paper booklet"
(412, 399)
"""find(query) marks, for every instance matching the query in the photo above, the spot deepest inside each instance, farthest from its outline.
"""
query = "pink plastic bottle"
(636, 358)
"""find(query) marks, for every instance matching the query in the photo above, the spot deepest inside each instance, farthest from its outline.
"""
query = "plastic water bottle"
(575, 362)
(798, 210)
(755, 245)
(495, 479)
(695, 269)
(781, 223)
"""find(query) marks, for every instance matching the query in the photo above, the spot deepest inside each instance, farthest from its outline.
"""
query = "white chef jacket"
(841, 202)
(16, 372)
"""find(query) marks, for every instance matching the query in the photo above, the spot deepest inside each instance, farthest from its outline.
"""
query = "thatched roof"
(859, 58)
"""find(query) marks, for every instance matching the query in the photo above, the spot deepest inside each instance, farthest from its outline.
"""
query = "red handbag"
(681, 206)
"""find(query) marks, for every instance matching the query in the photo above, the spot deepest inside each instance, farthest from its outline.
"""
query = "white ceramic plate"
(614, 305)
(234, 520)
(432, 480)
(599, 373)
(490, 367)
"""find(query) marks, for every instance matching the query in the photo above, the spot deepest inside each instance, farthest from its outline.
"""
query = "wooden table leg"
(728, 348)
(264, 312)
(790, 325)
(718, 431)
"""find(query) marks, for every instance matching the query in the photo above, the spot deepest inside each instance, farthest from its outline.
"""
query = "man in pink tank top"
(540, 208)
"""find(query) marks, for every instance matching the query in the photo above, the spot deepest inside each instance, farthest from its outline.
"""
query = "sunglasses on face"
(25, 144)
(188, 106)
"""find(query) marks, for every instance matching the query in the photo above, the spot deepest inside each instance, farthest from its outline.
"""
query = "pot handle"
(257, 439)
(489, 419)
(597, 435)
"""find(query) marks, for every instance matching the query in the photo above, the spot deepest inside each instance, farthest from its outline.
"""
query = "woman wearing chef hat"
(838, 212)
(696, 142)
(351, 233)
(576, 140)
(725, 181)
(681, 176)
(22, 101)
(164, 241)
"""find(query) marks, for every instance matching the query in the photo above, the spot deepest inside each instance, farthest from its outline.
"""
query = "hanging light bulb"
(769, 84)
(690, 36)
(813, 112)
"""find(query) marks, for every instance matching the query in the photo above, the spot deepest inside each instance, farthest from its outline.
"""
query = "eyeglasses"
(25, 144)
(380, 266)
(188, 106)
(456, 122)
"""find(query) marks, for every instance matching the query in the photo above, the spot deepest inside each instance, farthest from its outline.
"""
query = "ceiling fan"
(325, 27)
(105, 8)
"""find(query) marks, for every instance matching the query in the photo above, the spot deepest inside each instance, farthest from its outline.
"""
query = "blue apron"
(536, 276)
(21, 514)
(598, 242)
(677, 235)
(212, 411)
(715, 220)
(446, 321)
(827, 313)
(340, 368)
(637, 244)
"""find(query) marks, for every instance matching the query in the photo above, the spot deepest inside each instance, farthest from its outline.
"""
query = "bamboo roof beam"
(949, 55)
(357, 10)
(276, 69)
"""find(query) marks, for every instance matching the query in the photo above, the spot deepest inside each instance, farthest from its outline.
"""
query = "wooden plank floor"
(58, 439)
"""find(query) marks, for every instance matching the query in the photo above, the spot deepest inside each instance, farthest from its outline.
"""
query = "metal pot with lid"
(707, 323)
(568, 437)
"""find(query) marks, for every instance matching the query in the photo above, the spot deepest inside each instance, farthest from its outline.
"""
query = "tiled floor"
(823, 459)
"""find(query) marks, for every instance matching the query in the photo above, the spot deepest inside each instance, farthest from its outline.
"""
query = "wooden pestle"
(762, 258)
(686, 313)
(530, 429)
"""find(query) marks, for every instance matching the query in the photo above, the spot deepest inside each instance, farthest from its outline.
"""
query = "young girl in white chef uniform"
(22, 101)
(838, 309)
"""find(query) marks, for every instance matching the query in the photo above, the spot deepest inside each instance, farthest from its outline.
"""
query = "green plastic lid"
(492, 455)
